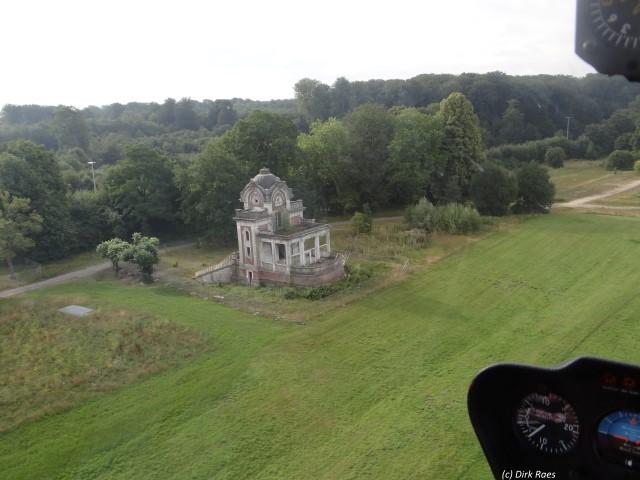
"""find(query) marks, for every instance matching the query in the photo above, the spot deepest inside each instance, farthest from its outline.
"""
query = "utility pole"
(93, 175)
(568, 117)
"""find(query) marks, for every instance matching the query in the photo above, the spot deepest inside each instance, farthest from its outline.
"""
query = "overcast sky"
(94, 53)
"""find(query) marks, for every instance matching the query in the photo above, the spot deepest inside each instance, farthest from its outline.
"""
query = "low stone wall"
(327, 271)
(226, 274)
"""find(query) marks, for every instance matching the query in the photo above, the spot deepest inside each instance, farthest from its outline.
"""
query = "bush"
(452, 218)
(636, 166)
(493, 190)
(535, 150)
(620, 160)
(354, 275)
(361, 222)
(555, 157)
(535, 190)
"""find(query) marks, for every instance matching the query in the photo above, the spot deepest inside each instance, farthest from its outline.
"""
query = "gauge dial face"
(619, 438)
(617, 21)
(548, 423)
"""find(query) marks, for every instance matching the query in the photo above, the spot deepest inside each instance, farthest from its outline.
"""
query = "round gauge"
(617, 21)
(548, 423)
(619, 438)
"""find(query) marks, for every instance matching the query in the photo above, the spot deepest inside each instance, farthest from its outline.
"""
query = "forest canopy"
(177, 166)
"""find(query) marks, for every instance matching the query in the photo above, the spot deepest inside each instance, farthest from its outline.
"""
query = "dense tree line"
(510, 109)
(179, 165)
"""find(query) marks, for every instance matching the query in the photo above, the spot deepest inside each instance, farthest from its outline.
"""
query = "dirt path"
(75, 275)
(588, 201)
(94, 269)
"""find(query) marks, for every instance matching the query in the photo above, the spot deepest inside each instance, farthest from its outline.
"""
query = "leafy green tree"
(493, 190)
(415, 155)
(141, 188)
(512, 125)
(31, 171)
(264, 139)
(620, 160)
(18, 223)
(324, 159)
(370, 129)
(143, 252)
(209, 190)
(314, 99)
(70, 128)
(555, 157)
(113, 250)
(463, 148)
(167, 112)
(341, 97)
(535, 190)
(185, 115)
(92, 219)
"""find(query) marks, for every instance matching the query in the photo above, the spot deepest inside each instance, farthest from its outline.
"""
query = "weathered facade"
(276, 244)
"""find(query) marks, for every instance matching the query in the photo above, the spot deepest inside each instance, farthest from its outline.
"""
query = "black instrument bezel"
(495, 396)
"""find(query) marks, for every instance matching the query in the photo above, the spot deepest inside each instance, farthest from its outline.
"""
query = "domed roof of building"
(265, 178)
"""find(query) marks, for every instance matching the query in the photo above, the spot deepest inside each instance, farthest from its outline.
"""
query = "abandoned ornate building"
(276, 244)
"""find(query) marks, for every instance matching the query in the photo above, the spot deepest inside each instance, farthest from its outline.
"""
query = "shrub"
(361, 222)
(420, 215)
(636, 166)
(354, 275)
(142, 251)
(493, 190)
(535, 190)
(555, 157)
(620, 160)
(451, 218)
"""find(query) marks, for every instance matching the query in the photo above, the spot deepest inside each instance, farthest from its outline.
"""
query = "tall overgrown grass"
(50, 361)
(453, 218)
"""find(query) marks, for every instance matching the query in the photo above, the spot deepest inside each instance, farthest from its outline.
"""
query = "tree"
(167, 113)
(512, 125)
(70, 128)
(415, 155)
(313, 98)
(463, 148)
(264, 139)
(324, 159)
(141, 188)
(113, 250)
(620, 160)
(535, 190)
(185, 115)
(370, 129)
(31, 171)
(209, 190)
(18, 223)
(493, 190)
(143, 252)
(555, 157)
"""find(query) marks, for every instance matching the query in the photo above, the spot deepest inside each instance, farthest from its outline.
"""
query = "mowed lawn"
(376, 389)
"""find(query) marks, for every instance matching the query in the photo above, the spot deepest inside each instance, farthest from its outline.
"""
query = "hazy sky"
(98, 52)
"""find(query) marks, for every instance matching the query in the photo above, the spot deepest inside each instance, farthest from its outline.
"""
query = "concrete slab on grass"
(76, 310)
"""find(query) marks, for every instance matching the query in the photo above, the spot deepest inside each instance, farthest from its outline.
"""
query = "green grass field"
(51, 269)
(375, 389)
(582, 178)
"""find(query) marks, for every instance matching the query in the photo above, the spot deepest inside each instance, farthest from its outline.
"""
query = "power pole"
(93, 175)
(568, 117)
